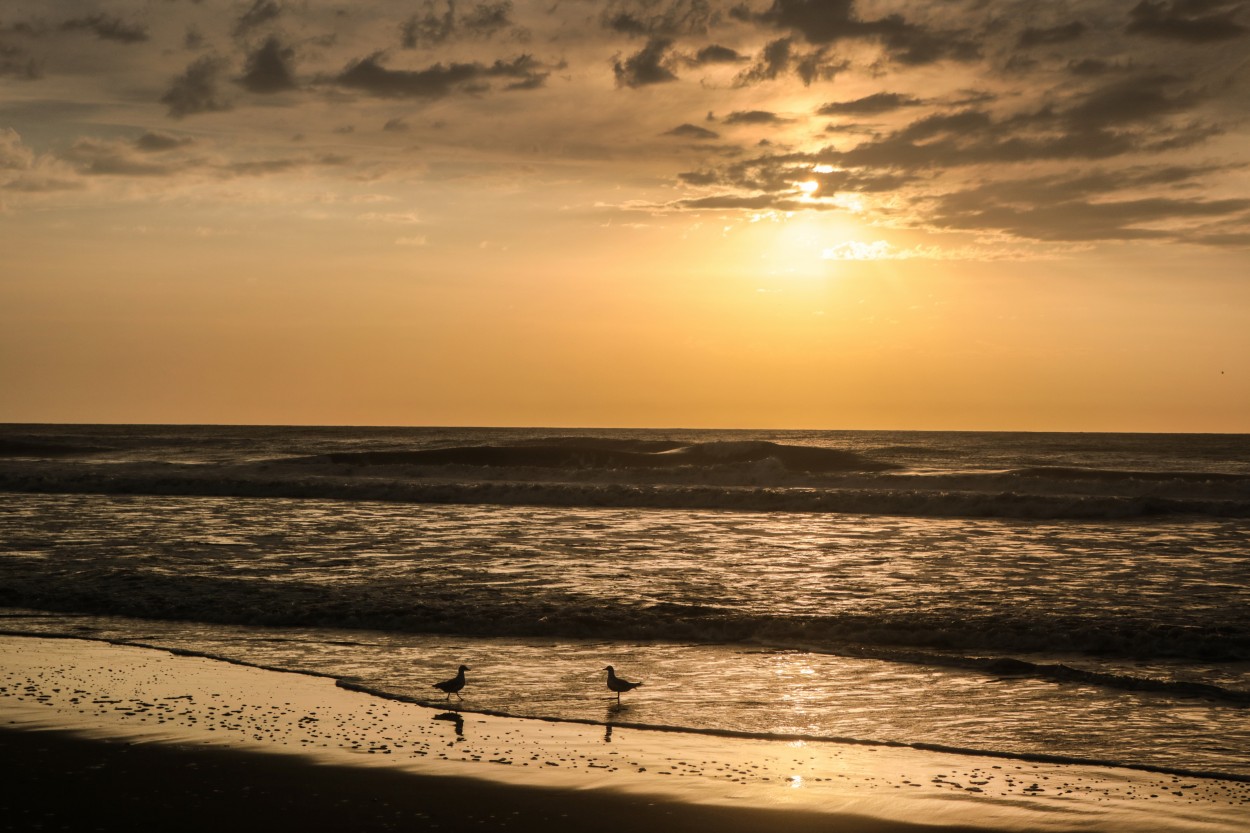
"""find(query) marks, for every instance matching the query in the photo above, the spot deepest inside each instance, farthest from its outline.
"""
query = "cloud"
(825, 22)
(756, 202)
(1143, 98)
(439, 80)
(692, 131)
(869, 105)
(652, 19)
(442, 24)
(258, 14)
(779, 58)
(647, 66)
(1033, 36)
(269, 69)
(15, 63)
(1090, 67)
(156, 142)
(699, 177)
(1193, 21)
(96, 157)
(1128, 116)
(14, 155)
(107, 28)
(754, 117)
(1157, 218)
(716, 54)
(195, 91)
(1083, 207)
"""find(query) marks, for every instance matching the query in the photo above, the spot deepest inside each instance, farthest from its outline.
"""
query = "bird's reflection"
(615, 710)
(457, 722)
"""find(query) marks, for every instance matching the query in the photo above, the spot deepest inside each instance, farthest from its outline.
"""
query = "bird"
(453, 685)
(618, 685)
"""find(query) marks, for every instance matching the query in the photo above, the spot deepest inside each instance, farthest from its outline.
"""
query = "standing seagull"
(618, 685)
(453, 685)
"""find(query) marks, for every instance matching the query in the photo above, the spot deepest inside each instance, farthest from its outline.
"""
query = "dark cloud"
(1137, 99)
(692, 131)
(105, 27)
(780, 58)
(441, 23)
(1032, 36)
(699, 177)
(869, 105)
(265, 167)
(1077, 208)
(488, 18)
(716, 54)
(430, 28)
(651, 19)
(15, 63)
(777, 174)
(42, 183)
(368, 75)
(396, 125)
(1090, 67)
(756, 202)
(647, 66)
(93, 157)
(1131, 116)
(774, 60)
(1194, 21)
(259, 13)
(753, 117)
(1232, 239)
(818, 66)
(156, 142)
(269, 69)
(825, 22)
(196, 91)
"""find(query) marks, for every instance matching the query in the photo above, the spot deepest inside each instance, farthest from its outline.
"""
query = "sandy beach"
(111, 737)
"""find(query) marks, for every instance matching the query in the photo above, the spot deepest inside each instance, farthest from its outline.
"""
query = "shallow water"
(830, 626)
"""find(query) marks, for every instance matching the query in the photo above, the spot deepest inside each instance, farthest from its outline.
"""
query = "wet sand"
(115, 737)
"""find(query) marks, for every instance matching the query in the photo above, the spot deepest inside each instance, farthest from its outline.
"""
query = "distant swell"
(1114, 476)
(868, 501)
(590, 453)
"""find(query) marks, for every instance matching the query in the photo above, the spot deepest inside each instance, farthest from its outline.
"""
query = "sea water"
(1071, 596)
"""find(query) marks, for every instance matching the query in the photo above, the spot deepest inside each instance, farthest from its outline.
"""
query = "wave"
(1116, 476)
(882, 499)
(1031, 757)
(888, 635)
(19, 447)
(610, 453)
(349, 684)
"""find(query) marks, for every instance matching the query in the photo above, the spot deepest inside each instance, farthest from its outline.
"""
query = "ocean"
(1080, 597)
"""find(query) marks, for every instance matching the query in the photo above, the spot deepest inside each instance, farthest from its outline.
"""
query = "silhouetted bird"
(618, 685)
(453, 685)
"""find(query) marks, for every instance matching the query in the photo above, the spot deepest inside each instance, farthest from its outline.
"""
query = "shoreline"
(1026, 757)
(156, 713)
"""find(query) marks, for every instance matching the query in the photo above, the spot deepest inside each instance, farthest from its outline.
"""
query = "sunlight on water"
(1064, 637)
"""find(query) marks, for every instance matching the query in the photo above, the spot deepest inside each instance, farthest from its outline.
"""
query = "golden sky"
(966, 214)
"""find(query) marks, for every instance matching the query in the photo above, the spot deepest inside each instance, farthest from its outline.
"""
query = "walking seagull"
(618, 685)
(453, 685)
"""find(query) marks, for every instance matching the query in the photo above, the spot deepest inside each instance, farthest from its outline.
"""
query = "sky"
(950, 215)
